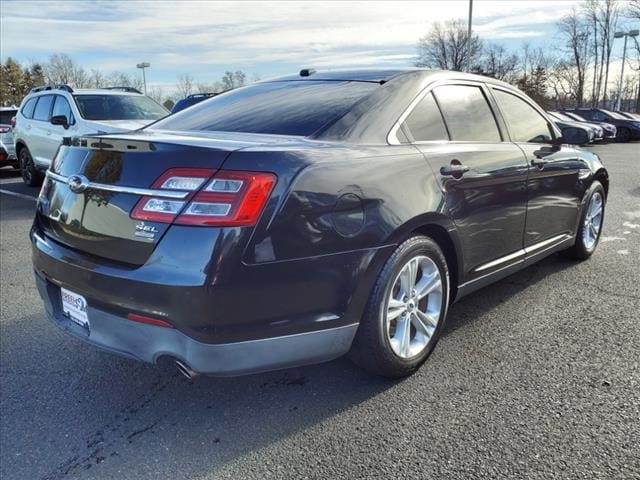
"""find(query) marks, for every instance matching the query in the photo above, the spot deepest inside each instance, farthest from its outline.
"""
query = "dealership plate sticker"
(75, 307)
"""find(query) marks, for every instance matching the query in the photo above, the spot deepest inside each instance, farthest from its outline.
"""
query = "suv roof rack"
(52, 86)
(203, 94)
(124, 89)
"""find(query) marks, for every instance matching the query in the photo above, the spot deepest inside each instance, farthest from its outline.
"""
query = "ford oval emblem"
(78, 183)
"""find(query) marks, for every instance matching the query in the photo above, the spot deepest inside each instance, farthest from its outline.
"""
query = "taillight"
(13, 122)
(4, 129)
(230, 198)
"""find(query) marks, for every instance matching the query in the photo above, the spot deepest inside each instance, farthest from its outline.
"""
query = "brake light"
(229, 198)
(13, 122)
(134, 317)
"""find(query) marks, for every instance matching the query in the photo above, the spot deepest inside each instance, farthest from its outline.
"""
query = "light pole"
(630, 33)
(144, 65)
(469, 38)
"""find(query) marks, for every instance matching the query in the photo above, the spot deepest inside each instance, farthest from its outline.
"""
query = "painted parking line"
(19, 195)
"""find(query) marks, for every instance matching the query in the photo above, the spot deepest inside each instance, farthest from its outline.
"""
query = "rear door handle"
(454, 170)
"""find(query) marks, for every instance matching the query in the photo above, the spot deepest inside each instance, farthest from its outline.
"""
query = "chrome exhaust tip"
(186, 370)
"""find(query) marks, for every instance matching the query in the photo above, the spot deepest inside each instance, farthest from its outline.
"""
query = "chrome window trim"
(147, 192)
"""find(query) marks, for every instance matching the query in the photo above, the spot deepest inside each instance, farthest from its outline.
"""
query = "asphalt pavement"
(536, 376)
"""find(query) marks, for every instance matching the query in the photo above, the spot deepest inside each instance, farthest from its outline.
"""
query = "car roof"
(85, 91)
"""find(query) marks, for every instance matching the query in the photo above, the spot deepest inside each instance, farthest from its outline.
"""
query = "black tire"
(30, 174)
(583, 247)
(623, 135)
(371, 348)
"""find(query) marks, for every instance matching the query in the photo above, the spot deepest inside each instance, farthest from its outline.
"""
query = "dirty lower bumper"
(149, 343)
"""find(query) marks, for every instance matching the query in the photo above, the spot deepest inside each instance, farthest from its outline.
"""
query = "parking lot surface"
(536, 376)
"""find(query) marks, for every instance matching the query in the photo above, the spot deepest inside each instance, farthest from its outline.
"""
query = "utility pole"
(469, 37)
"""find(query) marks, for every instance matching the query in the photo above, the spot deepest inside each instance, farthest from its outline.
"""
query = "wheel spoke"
(428, 284)
(427, 321)
(413, 272)
(403, 332)
(596, 213)
(593, 231)
(395, 309)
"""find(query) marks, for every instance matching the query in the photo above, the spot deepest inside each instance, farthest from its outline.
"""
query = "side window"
(599, 116)
(43, 108)
(62, 107)
(28, 108)
(467, 113)
(425, 121)
(525, 123)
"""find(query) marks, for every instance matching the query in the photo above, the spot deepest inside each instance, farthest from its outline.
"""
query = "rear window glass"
(118, 107)
(425, 121)
(284, 108)
(27, 109)
(43, 108)
(6, 116)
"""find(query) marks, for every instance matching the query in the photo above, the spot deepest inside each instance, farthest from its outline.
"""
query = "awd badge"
(145, 231)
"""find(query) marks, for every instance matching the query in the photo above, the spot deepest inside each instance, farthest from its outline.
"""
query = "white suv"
(48, 114)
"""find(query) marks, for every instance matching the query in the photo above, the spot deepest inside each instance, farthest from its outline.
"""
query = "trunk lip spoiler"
(147, 192)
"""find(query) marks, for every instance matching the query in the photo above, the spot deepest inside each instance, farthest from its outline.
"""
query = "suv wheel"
(406, 310)
(30, 174)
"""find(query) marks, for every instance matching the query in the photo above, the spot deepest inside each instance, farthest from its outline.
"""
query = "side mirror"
(60, 120)
(575, 136)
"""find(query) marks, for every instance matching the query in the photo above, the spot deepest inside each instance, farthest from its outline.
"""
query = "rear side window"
(524, 121)
(284, 108)
(43, 108)
(27, 109)
(467, 113)
(62, 107)
(425, 121)
(6, 116)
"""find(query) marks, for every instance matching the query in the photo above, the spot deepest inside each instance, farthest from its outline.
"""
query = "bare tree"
(497, 62)
(231, 80)
(633, 9)
(62, 69)
(97, 78)
(156, 92)
(185, 85)
(446, 46)
(575, 31)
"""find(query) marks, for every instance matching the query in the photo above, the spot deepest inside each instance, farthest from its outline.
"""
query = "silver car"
(7, 147)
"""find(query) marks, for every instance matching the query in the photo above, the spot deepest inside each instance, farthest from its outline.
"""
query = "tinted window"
(467, 113)
(6, 116)
(286, 108)
(43, 107)
(27, 110)
(118, 107)
(425, 121)
(62, 107)
(599, 116)
(524, 121)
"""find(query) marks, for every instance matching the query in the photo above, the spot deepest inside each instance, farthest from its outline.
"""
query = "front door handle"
(538, 162)
(454, 170)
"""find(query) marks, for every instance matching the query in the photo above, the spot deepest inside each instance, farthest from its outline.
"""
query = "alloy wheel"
(593, 221)
(413, 307)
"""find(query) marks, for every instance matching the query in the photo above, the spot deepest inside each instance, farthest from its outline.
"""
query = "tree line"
(577, 73)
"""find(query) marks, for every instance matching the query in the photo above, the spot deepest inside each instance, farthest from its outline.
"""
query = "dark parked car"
(609, 129)
(627, 129)
(630, 115)
(295, 220)
(191, 100)
(594, 133)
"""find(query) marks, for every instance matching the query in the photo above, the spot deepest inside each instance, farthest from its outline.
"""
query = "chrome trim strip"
(522, 252)
(544, 243)
(500, 260)
(147, 192)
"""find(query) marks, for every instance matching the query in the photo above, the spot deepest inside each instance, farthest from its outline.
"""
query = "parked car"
(191, 100)
(50, 113)
(7, 148)
(629, 115)
(594, 133)
(295, 220)
(627, 129)
(609, 129)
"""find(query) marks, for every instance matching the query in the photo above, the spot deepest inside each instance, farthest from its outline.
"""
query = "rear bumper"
(149, 343)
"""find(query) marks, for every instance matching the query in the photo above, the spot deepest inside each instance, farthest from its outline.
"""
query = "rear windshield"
(118, 107)
(282, 108)
(6, 116)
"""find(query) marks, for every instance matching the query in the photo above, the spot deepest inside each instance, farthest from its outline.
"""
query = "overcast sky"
(205, 38)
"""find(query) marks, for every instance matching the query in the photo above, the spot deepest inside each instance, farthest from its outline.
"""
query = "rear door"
(554, 187)
(55, 133)
(483, 177)
(38, 133)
